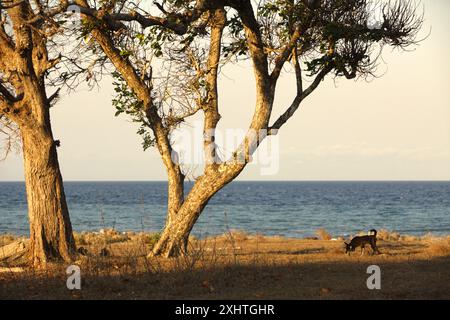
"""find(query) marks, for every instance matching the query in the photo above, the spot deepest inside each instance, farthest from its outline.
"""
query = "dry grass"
(106, 236)
(238, 265)
(388, 235)
(439, 247)
(323, 234)
(6, 239)
(236, 235)
(408, 238)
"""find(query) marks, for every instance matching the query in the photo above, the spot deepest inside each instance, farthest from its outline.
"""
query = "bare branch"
(286, 52)
(211, 108)
(11, 134)
(298, 100)
(54, 96)
(254, 39)
(178, 23)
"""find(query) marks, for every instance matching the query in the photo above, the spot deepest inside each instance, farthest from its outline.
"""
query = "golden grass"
(238, 265)
(388, 235)
(236, 235)
(323, 234)
(6, 239)
(408, 238)
(439, 247)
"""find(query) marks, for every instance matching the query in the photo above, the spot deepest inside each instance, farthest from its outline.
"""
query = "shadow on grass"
(297, 252)
(414, 279)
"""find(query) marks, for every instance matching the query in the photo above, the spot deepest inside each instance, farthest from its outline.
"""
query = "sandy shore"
(240, 266)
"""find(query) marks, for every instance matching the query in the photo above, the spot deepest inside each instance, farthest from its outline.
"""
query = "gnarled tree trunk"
(51, 235)
(24, 67)
(175, 237)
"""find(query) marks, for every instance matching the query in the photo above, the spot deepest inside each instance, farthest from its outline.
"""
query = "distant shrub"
(238, 235)
(323, 234)
(388, 235)
(149, 238)
(428, 236)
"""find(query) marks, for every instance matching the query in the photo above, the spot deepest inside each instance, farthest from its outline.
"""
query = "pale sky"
(396, 127)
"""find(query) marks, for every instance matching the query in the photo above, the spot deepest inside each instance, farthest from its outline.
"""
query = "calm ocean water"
(294, 209)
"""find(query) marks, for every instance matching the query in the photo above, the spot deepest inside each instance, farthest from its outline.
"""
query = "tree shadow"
(297, 252)
(343, 279)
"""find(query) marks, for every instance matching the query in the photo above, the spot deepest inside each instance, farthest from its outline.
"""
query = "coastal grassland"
(238, 265)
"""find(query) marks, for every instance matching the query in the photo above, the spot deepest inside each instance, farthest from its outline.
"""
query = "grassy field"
(240, 266)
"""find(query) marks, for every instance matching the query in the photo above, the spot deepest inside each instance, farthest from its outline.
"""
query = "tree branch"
(211, 108)
(298, 100)
(286, 51)
(254, 38)
(178, 23)
(143, 94)
(148, 21)
(54, 96)
(8, 95)
(298, 71)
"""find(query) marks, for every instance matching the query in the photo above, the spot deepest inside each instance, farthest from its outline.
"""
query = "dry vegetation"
(238, 265)
(323, 234)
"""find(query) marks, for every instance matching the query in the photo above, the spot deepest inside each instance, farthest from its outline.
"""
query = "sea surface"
(293, 209)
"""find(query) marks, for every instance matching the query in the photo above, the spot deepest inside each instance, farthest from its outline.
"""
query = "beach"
(239, 265)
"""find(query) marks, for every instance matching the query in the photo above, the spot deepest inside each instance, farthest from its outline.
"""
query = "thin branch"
(54, 96)
(211, 108)
(285, 53)
(298, 71)
(298, 100)
(178, 23)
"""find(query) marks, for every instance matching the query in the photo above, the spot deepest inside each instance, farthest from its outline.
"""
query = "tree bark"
(51, 235)
(25, 64)
(175, 237)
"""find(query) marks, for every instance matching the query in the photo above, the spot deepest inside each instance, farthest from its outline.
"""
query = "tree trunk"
(51, 235)
(175, 192)
(175, 237)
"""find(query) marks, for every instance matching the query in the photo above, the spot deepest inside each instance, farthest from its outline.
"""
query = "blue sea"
(293, 209)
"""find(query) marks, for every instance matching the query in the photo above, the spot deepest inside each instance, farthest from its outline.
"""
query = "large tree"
(196, 38)
(28, 56)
